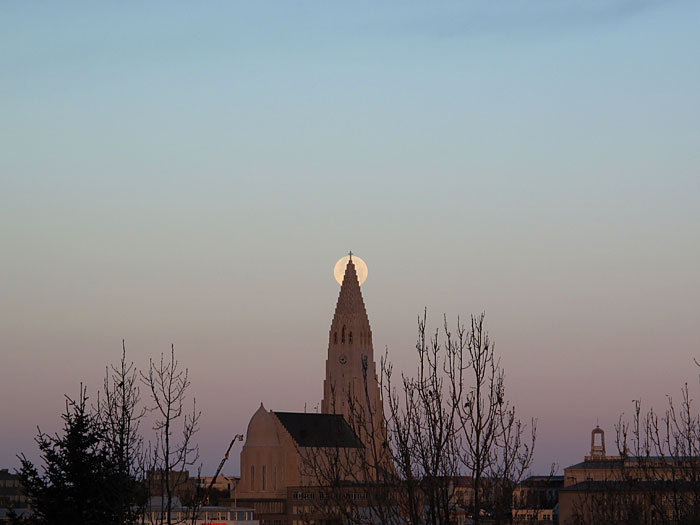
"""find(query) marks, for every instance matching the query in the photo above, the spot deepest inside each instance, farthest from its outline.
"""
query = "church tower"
(351, 387)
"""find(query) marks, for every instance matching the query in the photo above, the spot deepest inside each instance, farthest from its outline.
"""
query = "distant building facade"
(12, 497)
(536, 500)
(630, 489)
(11, 493)
(207, 515)
(182, 485)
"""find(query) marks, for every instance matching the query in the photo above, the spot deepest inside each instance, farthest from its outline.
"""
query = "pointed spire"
(350, 298)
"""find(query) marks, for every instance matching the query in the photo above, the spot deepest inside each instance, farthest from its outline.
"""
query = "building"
(11, 494)
(278, 449)
(222, 483)
(463, 489)
(207, 515)
(284, 451)
(182, 485)
(217, 489)
(536, 500)
(630, 489)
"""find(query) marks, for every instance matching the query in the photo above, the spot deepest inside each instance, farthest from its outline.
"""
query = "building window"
(264, 476)
(274, 477)
(335, 338)
(252, 477)
(350, 337)
(342, 335)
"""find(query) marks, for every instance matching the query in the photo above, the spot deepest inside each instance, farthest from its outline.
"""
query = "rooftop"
(319, 430)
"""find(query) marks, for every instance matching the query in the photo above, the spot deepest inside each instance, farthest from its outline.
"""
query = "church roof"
(319, 430)
(262, 430)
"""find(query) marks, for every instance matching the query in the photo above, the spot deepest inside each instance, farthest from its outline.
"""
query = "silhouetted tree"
(493, 443)
(79, 473)
(656, 477)
(452, 417)
(422, 426)
(98, 470)
(173, 450)
(661, 458)
(120, 412)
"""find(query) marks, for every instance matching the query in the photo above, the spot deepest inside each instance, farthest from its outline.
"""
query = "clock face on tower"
(343, 359)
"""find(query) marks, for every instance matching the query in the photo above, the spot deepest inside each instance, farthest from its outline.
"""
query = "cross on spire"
(350, 254)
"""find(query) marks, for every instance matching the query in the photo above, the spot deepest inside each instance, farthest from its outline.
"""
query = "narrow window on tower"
(264, 477)
(274, 477)
(350, 337)
(342, 335)
(252, 477)
(335, 338)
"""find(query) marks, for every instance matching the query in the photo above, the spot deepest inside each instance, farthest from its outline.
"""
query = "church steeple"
(350, 325)
(350, 360)
(351, 387)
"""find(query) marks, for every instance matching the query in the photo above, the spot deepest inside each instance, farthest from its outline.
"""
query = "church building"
(280, 446)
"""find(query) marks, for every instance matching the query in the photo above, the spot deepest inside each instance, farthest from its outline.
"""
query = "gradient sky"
(189, 173)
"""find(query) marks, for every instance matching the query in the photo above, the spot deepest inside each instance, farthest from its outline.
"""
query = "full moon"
(360, 268)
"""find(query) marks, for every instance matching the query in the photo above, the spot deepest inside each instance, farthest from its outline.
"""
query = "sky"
(189, 173)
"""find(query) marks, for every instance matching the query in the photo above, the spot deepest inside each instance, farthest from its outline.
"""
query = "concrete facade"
(269, 460)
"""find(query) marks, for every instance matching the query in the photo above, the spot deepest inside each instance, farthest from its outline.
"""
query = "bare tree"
(450, 418)
(535, 497)
(610, 502)
(421, 420)
(661, 459)
(120, 412)
(173, 450)
(656, 477)
(350, 481)
(492, 440)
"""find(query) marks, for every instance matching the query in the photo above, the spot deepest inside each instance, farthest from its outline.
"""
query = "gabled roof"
(319, 430)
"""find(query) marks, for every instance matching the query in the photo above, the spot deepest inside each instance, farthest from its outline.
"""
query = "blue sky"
(190, 173)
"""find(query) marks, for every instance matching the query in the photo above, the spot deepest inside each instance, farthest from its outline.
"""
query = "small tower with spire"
(597, 444)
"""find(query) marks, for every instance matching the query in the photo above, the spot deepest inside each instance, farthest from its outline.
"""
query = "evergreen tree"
(80, 480)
